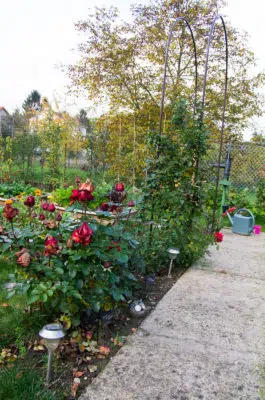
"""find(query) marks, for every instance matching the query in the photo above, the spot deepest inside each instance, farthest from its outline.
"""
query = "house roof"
(3, 109)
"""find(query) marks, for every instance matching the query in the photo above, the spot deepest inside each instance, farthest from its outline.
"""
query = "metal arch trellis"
(165, 68)
(210, 37)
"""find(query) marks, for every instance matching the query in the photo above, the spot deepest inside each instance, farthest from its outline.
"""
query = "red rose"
(113, 208)
(45, 206)
(104, 207)
(131, 203)
(41, 217)
(119, 187)
(30, 202)
(75, 194)
(107, 265)
(85, 195)
(83, 234)
(51, 246)
(51, 207)
(218, 237)
(9, 212)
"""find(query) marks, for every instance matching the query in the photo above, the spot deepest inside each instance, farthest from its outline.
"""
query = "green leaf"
(33, 299)
(79, 284)
(44, 298)
(59, 271)
(75, 320)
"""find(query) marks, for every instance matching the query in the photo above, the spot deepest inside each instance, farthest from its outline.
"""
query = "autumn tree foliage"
(124, 60)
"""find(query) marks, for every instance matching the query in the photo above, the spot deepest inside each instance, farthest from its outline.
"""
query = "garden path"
(204, 340)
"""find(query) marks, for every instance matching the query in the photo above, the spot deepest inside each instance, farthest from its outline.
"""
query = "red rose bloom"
(41, 217)
(75, 194)
(9, 212)
(45, 206)
(51, 246)
(51, 207)
(131, 203)
(119, 187)
(85, 195)
(113, 208)
(218, 237)
(30, 202)
(107, 265)
(83, 234)
(104, 207)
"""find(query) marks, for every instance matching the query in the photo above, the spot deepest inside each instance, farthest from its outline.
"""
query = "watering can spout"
(230, 218)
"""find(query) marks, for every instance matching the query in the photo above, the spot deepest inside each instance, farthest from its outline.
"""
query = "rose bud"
(59, 217)
(131, 203)
(51, 207)
(104, 207)
(30, 202)
(41, 217)
(107, 265)
(119, 187)
(45, 206)
(83, 234)
(89, 335)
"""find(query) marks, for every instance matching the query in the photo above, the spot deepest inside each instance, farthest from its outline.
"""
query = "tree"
(124, 60)
(32, 102)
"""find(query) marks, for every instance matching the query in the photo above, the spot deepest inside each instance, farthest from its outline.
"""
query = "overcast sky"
(38, 35)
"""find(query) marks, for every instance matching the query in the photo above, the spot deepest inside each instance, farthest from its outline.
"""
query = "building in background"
(6, 123)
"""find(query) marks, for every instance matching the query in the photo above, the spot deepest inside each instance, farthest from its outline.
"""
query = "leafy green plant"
(65, 265)
(173, 211)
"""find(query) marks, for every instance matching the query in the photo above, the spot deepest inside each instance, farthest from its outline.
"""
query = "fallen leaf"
(77, 374)
(104, 350)
(19, 374)
(134, 330)
(5, 305)
(74, 389)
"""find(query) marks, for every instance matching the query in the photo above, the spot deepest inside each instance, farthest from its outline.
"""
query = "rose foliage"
(68, 266)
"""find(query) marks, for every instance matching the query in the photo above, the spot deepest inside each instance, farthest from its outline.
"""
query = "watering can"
(242, 224)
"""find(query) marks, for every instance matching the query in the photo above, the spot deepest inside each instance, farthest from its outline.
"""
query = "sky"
(37, 36)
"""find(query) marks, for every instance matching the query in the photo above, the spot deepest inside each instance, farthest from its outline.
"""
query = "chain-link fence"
(247, 164)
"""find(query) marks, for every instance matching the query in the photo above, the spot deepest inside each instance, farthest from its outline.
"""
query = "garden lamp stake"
(51, 333)
(172, 253)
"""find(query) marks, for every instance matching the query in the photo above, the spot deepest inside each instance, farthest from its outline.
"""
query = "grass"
(17, 383)
(19, 380)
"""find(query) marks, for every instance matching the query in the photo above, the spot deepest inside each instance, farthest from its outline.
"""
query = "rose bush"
(65, 265)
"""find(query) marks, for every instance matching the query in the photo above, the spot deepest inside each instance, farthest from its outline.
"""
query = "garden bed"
(74, 366)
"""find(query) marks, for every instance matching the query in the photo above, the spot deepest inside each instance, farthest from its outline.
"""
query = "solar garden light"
(172, 253)
(52, 334)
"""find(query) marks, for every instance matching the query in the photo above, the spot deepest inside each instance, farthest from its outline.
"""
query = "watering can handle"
(245, 209)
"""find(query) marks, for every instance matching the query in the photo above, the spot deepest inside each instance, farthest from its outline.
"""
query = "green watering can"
(242, 224)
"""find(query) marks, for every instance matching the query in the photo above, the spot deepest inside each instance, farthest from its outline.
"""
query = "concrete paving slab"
(204, 340)
(242, 255)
